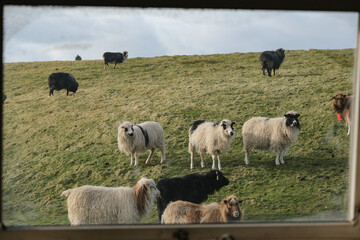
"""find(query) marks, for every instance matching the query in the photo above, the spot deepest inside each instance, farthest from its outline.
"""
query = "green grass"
(54, 143)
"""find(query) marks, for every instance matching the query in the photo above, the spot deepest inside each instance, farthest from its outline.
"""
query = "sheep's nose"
(131, 134)
(231, 133)
(236, 214)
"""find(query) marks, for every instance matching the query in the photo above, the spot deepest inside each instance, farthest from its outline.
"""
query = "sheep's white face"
(127, 128)
(153, 189)
(227, 125)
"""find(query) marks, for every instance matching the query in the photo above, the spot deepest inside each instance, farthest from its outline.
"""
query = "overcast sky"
(53, 33)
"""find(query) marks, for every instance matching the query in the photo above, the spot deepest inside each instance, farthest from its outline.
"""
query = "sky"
(61, 33)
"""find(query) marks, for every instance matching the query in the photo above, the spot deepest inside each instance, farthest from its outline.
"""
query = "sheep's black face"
(74, 87)
(220, 179)
(292, 120)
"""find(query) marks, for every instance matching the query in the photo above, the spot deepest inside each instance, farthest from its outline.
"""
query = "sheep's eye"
(153, 186)
(125, 129)
(224, 126)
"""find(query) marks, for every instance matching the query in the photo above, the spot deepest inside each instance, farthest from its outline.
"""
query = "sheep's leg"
(67, 92)
(191, 160)
(282, 158)
(136, 160)
(162, 149)
(269, 72)
(274, 71)
(132, 160)
(263, 71)
(219, 164)
(213, 165)
(348, 133)
(202, 160)
(277, 162)
(150, 155)
(246, 157)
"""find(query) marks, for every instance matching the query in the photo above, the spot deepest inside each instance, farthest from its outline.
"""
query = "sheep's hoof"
(213, 168)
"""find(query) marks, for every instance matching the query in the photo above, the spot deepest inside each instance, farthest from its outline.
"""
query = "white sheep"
(275, 134)
(208, 137)
(136, 139)
(89, 205)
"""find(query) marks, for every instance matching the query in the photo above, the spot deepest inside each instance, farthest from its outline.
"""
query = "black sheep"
(110, 57)
(58, 81)
(77, 58)
(192, 188)
(271, 60)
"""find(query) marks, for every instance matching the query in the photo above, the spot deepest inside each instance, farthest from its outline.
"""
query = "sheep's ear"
(297, 115)
(233, 123)
(286, 115)
(240, 201)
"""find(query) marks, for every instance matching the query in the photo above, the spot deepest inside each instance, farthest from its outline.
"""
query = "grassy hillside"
(60, 142)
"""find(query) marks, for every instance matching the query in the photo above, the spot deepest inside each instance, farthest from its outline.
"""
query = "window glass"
(181, 66)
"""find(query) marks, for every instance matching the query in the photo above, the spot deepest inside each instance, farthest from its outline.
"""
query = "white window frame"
(349, 229)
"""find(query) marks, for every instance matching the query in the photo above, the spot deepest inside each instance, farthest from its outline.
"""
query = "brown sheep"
(342, 106)
(186, 212)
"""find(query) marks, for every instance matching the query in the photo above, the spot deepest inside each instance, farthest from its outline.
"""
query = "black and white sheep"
(89, 205)
(117, 58)
(60, 80)
(193, 187)
(208, 137)
(136, 139)
(271, 60)
(275, 134)
(181, 212)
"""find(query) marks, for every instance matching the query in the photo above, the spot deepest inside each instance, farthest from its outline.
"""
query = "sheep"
(117, 58)
(276, 134)
(91, 205)
(341, 104)
(193, 187)
(136, 139)
(186, 212)
(271, 60)
(212, 138)
(60, 80)
(77, 58)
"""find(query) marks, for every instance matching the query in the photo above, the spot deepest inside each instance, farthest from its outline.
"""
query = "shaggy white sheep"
(275, 134)
(135, 139)
(187, 212)
(89, 205)
(208, 137)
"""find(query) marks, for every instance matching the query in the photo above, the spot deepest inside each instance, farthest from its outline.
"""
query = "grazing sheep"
(271, 60)
(342, 106)
(192, 188)
(89, 205)
(135, 139)
(186, 212)
(77, 58)
(58, 81)
(276, 134)
(117, 58)
(212, 138)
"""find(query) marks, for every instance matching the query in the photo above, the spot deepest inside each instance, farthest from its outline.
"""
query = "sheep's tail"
(66, 193)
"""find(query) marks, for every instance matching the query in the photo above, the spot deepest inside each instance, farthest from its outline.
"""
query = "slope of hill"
(54, 143)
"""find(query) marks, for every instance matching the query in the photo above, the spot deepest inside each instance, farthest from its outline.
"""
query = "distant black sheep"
(117, 58)
(77, 58)
(271, 60)
(193, 188)
(58, 81)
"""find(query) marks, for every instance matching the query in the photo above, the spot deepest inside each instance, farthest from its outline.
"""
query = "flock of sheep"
(179, 199)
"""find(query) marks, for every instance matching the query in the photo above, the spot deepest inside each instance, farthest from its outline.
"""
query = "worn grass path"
(54, 143)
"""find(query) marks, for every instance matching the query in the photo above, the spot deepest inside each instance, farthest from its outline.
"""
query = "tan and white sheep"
(212, 138)
(136, 139)
(274, 134)
(90, 205)
(182, 212)
(341, 104)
